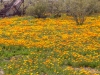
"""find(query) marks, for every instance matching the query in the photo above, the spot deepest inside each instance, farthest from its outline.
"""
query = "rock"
(1, 72)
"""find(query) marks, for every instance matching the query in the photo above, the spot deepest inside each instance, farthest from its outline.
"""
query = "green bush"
(44, 8)
(79, 9)
(55, 8)
(30, 11)
(37, 10)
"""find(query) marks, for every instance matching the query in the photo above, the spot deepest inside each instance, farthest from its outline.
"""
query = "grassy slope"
(49, 46)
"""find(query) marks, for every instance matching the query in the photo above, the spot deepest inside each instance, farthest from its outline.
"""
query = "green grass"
(15, 57)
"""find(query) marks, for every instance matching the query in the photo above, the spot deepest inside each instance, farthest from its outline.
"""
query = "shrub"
(55, 7)
(30, 11)
(97, 7)
(37, 9)
(79, 9)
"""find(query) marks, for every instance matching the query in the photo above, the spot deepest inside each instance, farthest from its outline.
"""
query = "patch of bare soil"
(91, 70)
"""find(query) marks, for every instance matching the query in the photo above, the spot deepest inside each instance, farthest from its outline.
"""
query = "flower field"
(30, 46)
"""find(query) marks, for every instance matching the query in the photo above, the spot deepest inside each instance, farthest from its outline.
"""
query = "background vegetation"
(78, 9)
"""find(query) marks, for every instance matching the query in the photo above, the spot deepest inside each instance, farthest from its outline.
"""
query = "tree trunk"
(1, 1)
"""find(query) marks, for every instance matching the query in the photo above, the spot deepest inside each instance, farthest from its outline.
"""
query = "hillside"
(31, 46)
